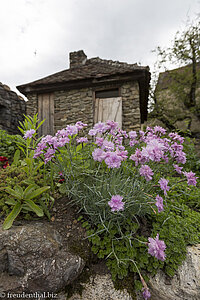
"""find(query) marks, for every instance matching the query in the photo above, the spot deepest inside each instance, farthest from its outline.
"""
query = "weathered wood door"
(46, 111)
(108, 109)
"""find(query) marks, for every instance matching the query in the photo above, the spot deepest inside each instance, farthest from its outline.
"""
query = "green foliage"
(186, 195)
(91, 185)
(7, 144)
(26, 180)
(22, 199)
(177, 225)
(27, 195)
(27, 145)
(193, 161)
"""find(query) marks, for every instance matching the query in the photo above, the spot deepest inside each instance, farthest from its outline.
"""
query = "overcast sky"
(36, 36)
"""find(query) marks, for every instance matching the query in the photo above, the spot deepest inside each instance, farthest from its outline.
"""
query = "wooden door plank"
(51, 113)
(40, 113)
(46, 116)
(96, 108)
(46, 111)
(109, 109)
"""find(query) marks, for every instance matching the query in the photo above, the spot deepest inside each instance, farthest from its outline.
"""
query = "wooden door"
(46, 111)
(108, 109)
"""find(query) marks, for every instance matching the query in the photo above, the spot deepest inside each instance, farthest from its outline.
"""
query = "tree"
(185, 52)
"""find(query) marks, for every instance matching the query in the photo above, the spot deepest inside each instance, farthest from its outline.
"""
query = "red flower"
(61, 180)
(3, 158)
(5, 165)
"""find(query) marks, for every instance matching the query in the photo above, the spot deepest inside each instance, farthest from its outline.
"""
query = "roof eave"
(82, 83)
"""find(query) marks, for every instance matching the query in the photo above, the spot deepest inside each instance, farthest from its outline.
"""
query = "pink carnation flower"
(111, 124)
(100, 127)
(147, 172)
(80, 125)
(92, 132)
(82, 140)
(154, 150)
(180, 157)
(113, 160)
(176, 137)
(191, 178)
(146, 294)
(159, 129)
(71, 129)
(137, 157)
(156, 248)
(99, 141)
(49, 155)
(132, 134)
(108, 145)
(159, 203)
(164, 185)
(98, 154)
(116, 203)
(62, 141)
(178, 169)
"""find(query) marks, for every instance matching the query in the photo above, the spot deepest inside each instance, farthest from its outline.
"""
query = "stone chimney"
(77, 58)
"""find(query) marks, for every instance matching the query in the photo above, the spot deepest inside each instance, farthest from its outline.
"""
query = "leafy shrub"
(8, 144)
(193, 161)
(26, 180)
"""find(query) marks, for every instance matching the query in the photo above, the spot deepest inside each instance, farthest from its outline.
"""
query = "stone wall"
(78, 105)
(12, 109)
(72, 106)
(32, 105)
(130, 106)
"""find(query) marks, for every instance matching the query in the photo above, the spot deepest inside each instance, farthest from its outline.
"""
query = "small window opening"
(107, 93)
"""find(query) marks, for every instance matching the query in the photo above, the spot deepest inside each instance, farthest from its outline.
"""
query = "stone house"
(91, 90)
(12, 109)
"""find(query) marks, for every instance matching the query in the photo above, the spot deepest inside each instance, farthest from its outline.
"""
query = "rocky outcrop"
(33, 259)
(185, 285)
(12, 109)
(101, 287)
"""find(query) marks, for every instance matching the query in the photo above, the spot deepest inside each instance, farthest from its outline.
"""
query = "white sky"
(36, 36)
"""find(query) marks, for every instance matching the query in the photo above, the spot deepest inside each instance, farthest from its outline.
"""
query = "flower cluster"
(157, 148)
(49, 144)
(110, 149)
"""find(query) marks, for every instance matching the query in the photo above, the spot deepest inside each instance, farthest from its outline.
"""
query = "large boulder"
(100, 287)
(185, 285)
(33, 259)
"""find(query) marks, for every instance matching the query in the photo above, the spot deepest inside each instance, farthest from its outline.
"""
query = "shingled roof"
(85, 70)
